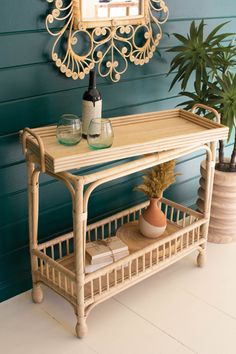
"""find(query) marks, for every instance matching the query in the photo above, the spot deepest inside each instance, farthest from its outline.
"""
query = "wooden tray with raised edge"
(133, 135)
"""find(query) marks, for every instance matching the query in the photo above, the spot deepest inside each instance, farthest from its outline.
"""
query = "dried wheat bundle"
(157, 179)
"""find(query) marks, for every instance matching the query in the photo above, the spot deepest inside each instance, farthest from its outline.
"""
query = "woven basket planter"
(222, 227)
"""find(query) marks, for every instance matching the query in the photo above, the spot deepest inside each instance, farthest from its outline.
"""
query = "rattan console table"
(152, 138)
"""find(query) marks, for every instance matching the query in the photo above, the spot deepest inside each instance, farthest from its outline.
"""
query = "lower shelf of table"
(140, 267)
(120, 275)
(57, 264)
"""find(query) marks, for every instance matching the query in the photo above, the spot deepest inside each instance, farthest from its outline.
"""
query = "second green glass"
(100, 134)
(69, 130)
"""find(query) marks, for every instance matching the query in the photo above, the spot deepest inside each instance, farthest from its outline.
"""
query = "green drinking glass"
(69, 130)
(100, 134)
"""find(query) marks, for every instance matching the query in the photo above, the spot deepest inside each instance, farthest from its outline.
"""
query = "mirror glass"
(110, 9)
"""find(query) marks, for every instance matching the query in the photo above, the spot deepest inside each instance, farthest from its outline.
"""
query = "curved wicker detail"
(111, 46)
(27, 134)
(207, 108)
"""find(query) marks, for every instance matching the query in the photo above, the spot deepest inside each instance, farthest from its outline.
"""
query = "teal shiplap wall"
(34, 93)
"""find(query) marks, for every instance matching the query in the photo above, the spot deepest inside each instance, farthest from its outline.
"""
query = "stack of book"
(103, 252)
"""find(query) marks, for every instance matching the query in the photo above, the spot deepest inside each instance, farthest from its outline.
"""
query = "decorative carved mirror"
(109, 33)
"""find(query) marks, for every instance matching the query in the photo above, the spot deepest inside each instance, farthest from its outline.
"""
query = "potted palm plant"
(210, 60)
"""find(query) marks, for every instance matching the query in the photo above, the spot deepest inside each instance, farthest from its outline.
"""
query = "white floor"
(181, 310)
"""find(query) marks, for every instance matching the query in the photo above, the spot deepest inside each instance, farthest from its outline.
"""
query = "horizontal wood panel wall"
(34, 93)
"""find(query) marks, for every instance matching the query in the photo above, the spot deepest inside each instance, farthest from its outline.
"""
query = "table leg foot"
(201, 259)
(37, 294)
(81, 328)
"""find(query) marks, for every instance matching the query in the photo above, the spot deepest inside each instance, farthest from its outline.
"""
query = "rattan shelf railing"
(56, 258)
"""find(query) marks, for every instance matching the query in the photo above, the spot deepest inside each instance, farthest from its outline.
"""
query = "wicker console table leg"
(33, 195)
(210, 171)
(79, 220)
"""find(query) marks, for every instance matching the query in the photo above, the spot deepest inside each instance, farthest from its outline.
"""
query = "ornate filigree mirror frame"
(109, 43)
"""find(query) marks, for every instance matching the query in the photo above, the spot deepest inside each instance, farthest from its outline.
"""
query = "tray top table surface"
(134, 135)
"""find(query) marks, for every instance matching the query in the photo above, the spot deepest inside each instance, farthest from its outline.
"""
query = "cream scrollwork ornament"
(111, 43)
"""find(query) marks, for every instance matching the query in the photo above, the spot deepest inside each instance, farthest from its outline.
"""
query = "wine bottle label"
(90, 110)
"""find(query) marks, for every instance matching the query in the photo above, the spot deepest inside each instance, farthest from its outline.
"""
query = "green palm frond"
(209, 60)
(223, 98)
(196, 55)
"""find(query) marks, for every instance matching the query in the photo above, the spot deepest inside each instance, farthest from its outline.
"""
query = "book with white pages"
(107, 249)
(90, 268)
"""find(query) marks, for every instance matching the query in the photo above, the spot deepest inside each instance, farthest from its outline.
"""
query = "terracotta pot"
(222, 227)
(152, 223)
